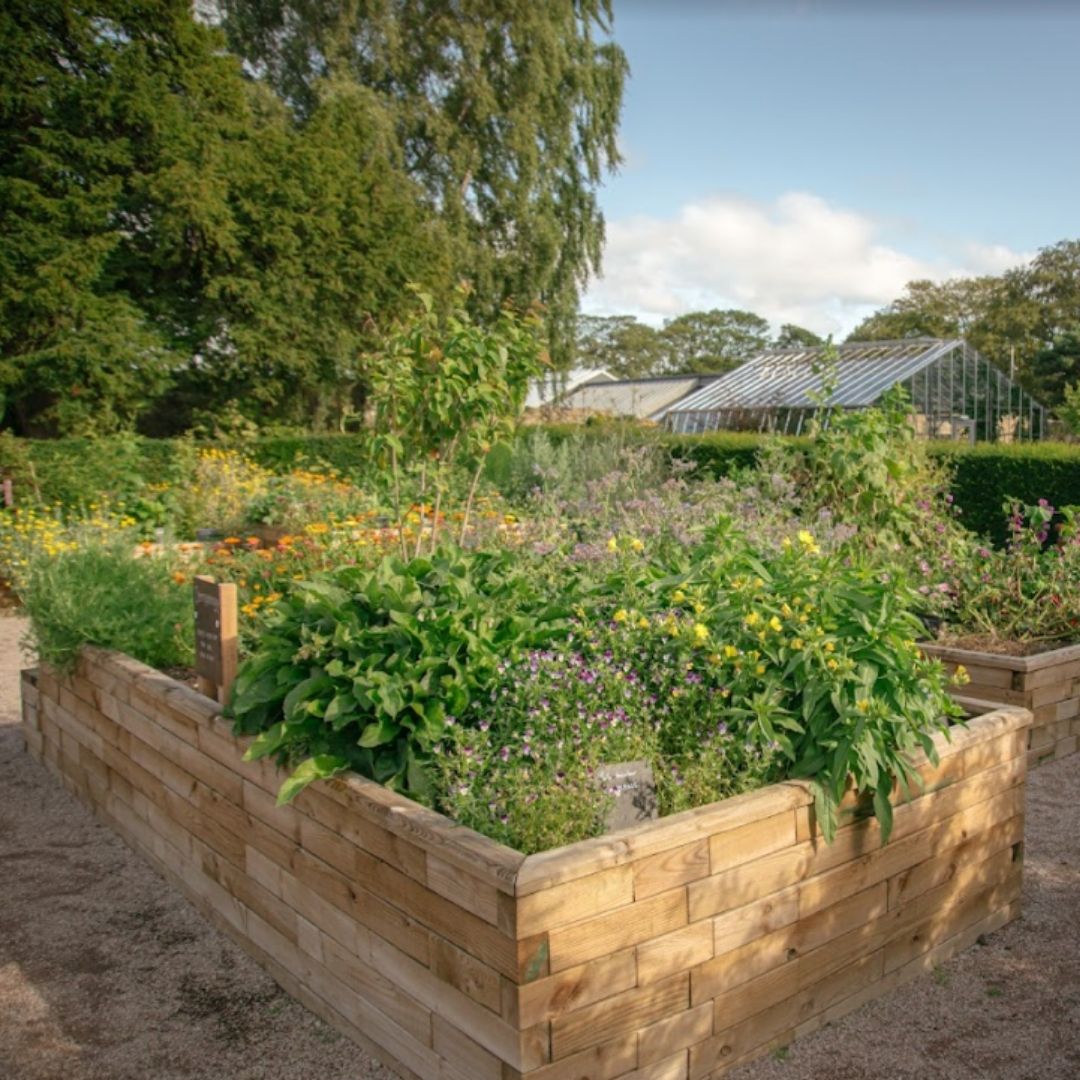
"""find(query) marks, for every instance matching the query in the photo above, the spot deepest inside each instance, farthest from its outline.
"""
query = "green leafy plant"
(100, 595)
(360, 669)
(446, 391)
(820, 658)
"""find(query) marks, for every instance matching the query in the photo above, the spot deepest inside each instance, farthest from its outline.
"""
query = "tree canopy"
(179, 236)
(505, 114)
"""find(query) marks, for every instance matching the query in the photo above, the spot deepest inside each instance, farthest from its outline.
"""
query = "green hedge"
(984, 475)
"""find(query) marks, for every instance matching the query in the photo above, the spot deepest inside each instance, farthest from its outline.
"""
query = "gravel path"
(106, 972)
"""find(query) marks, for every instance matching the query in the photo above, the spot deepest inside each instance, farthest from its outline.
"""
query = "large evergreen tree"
(505, 111)
(165, 223)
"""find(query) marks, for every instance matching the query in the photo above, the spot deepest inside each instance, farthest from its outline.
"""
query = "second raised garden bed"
(1047, 684)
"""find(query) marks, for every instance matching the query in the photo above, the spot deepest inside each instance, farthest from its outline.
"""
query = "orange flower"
(231, 540)
(178, 577)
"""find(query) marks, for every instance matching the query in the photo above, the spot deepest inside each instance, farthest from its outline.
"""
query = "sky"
(804, 159)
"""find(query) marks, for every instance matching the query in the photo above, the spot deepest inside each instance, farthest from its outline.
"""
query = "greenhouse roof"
(787, 378)
(643, 398)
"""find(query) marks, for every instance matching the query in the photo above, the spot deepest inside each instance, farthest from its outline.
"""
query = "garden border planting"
(678, 948)
(1047, 684)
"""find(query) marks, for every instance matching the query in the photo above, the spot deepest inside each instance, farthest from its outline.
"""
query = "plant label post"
(215, 637)
(9, 493)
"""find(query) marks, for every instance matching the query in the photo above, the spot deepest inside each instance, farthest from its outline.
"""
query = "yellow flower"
(831, 664)
(776, 625)
(752, 619)
(643, 623)
(698, 607)
(786, 543)
(637, 545)
(701, 632)
(961, 676)
(863, 705)
(829, 646)
(678, 596)
(785, 610)
(808, 542)
(760, 669)
(797, 642)
(612, 544)
(621, 615)
(730, 652)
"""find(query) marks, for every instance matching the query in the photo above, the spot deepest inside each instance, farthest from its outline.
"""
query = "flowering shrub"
(1027, 592)
(521, 766)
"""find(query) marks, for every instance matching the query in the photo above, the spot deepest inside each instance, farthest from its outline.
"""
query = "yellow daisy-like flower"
(961, 676)
(808, 542)
(637, 545)
(797, 643)
(760, 669)
(863, 705)
(621, 615)
(776, 625)
(785, 610)
(752, 619)
(612, 544)
(643, 623)
(701, 632)
(730, 652)
(831, 664)
(678, 596)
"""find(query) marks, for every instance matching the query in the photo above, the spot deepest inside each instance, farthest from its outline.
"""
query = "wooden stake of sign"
(9, 493)
(215, 637)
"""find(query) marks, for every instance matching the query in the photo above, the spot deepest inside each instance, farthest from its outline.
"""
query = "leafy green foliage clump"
(100, 595)
(361, 670)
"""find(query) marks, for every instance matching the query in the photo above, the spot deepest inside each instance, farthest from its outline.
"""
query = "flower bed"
(1047, 683)
(678, 948)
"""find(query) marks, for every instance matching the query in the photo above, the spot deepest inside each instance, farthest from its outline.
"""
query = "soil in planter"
(1002, 646)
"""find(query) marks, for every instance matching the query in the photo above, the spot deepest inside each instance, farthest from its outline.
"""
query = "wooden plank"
(492, 862)
(620, 929)
(463, 889)
(675, 1067)
(751, 921)
(665, 956)
(623, 1013)
(468, 1059)
(575, 988)
(778, 1024)
(751, 841)
(465, 973)
(1051, 694)
(613, 1058)
(363, 833)
(549, 868)
(674, 1034)
(943, 867)
(786, 945)
(667, 869)
(377, 986)
(575, 900)
(482, 1025)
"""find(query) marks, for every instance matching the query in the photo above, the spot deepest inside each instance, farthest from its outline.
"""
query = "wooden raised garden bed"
(678, 948)
(1047, 684)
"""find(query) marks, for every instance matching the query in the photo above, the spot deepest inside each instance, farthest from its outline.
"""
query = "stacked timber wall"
(676, 949)
(1047, 684)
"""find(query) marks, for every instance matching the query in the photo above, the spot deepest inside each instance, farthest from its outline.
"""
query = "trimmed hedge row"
(984, 475)
(75, 471)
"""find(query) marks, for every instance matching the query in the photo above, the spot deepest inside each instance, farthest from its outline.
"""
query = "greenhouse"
(955, 391)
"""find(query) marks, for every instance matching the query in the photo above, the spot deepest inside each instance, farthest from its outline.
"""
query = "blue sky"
(804, 159)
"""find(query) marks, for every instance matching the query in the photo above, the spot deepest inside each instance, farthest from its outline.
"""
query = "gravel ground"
(106, 972)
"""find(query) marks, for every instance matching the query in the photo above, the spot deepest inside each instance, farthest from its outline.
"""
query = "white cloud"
(797, 259)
